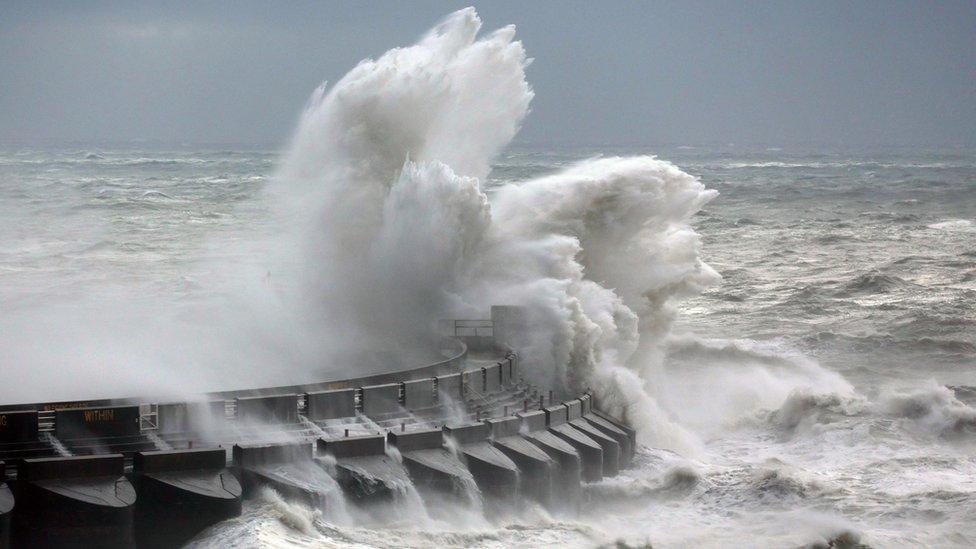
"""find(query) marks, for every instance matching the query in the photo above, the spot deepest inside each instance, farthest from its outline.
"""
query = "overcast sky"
(627, 73)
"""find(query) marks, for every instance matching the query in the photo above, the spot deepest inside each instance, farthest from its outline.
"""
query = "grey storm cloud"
(624, 73)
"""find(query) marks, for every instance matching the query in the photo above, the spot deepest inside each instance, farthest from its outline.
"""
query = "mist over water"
(813, 379)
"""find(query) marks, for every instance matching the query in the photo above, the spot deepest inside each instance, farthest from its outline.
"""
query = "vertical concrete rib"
(536, 465)
(567, 478)
(611, 449)
(590, 452)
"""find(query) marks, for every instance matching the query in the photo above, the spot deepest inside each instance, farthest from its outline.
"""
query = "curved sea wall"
(111, 472)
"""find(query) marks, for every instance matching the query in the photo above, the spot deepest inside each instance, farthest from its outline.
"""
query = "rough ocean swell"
(815, 385)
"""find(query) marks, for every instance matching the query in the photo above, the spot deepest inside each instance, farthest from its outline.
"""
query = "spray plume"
(392, 159)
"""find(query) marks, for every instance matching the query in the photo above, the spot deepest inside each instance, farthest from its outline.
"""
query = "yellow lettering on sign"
(3, 421)
(92, 416)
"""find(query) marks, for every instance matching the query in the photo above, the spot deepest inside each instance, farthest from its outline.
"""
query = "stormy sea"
(792, 329)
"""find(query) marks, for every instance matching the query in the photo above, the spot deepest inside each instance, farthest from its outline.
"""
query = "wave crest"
(933, 407)
(803, 409)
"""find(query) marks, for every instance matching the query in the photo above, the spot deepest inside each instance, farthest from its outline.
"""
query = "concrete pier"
(567, 479)
(611, 449)
(536, 466)
(431, 466)
(590, 412)
(73, 502)
(496, 474)
(187, 490)
(362, 468)
(171, 495)
(591, 453)
(623, 439)
(287, 468)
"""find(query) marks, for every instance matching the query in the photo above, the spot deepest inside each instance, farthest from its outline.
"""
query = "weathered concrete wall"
(591, 454)
(179, 460)
(449, 388)
(535, 465)
(379, 400)
(416, 440)
(271, 409)
(614, 432)
(504, 427)
(418, 394)
(631, 433)
(587, 402)
(493, 380)
(467, 433)
(574, 409)
(533, 420)
(610, 447)
(367, 445)
(556, 415)
(335, 404)
(496, 475)
(110, 465)
(256, 455)
(474, 380)
(566, 488)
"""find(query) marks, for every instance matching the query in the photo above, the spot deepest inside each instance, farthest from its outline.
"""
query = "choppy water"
(831, 376)
(822, 392)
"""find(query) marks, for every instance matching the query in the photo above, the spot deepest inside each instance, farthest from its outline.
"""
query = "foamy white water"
(814, 382)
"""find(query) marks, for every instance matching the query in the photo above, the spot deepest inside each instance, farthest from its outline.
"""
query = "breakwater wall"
(127, 473)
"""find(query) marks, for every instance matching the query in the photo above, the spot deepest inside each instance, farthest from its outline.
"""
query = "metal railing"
(148, 417)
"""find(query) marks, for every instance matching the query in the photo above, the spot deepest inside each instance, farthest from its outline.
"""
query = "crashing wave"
(778, 482)
(933, 407)
(804, 408)
(383, 185)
